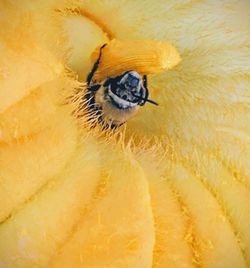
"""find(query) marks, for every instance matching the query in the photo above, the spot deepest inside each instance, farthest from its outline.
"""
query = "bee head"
(125, 90)
(130, 81)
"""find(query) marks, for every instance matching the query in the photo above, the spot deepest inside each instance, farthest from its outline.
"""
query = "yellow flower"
(172, 187)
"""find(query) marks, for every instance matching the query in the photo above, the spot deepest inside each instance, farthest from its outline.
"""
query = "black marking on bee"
(123, 92)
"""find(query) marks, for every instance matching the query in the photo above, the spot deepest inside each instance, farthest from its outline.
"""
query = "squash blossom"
(171, 187)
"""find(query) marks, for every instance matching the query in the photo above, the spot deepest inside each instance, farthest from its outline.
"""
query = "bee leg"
(145, 81)
(95, 66)
(144, 91)
(92, 89)
(145, 85)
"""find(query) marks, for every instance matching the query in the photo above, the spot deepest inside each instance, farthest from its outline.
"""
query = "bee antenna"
(145, 99)
(152, 102)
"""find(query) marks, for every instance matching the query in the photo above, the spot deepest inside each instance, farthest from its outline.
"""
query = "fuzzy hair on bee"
(117, 98)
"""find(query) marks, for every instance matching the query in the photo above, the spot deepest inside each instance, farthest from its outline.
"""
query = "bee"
(116, 99)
